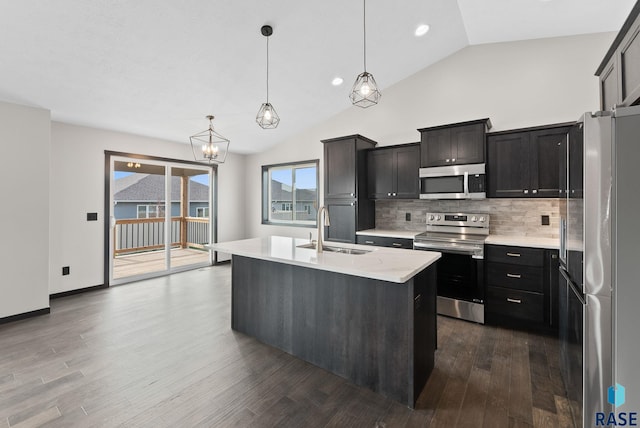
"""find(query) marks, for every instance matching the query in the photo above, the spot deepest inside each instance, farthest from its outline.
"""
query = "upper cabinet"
(393, 172)
(525, 163)
(619, 72)
(459, 143)
(345, 166)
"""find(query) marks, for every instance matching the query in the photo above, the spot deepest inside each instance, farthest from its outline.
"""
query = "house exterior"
(283, 205)
(143, 195)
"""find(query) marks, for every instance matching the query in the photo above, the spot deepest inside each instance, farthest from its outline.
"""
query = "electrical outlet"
(545, 220)
(92, 216)
(66, 270)
(407, 216)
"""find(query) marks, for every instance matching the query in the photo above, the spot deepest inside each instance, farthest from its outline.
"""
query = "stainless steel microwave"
(453, 182)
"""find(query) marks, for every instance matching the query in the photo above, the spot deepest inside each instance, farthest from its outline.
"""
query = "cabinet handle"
(446, 160)
(351, 194)
(353, 203)
(514, 275)
(514, 300)
(453, 160)
(534, 191)
(394, 193)
(389, 194)
(395, 244)
(526, 191)
(513, 254)
(368, 242)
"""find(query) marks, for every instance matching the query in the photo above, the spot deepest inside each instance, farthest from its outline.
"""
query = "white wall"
(24, 216)
(77, 187)
(516, 84)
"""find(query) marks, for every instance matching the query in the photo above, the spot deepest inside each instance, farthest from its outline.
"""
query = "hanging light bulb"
(267, 118)
(364, 92)
(214, 146)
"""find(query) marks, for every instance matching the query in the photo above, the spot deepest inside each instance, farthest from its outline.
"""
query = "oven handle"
(455, 250)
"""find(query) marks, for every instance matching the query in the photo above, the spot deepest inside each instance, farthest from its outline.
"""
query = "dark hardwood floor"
(160, 353)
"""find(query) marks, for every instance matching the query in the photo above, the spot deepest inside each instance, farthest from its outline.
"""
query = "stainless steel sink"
(331, 249)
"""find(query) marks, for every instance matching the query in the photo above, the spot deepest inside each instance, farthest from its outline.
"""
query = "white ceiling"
(158, 68)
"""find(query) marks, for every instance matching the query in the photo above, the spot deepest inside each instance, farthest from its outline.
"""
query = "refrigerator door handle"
(572, 286)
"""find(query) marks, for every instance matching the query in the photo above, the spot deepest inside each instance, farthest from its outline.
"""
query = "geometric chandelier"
(364, 92)
(267, 118)
(213, 146)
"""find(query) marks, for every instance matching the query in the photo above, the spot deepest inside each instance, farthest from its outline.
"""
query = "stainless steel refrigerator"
(600, 263)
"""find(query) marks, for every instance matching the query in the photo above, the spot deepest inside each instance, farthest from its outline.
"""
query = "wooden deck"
(153, 261)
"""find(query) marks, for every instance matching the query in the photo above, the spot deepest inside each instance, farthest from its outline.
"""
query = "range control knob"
(431, 217)
(474, 218)
(482, 219)
(438, 217)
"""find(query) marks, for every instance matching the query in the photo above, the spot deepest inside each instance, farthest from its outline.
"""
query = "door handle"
(513, 254)
(395, 244)
(514, 300)
(513, 275)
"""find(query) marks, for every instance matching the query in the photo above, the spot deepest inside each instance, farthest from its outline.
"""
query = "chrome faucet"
(326, 223)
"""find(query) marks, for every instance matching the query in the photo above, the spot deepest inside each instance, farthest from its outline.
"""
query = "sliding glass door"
(160, 217)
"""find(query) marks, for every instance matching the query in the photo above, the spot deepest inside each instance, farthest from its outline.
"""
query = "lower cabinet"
(383, 241)
(521, 287)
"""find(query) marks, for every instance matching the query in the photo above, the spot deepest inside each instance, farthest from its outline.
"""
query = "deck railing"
(146, 234)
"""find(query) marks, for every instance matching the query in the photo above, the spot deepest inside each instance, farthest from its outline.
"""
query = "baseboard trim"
(25, 315)
(78, 291)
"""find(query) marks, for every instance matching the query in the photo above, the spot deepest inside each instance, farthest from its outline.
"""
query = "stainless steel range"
(460, 238)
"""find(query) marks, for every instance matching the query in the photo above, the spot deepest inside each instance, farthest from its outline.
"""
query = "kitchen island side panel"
(358, 328)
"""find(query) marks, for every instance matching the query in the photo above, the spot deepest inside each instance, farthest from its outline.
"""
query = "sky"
(305, 177)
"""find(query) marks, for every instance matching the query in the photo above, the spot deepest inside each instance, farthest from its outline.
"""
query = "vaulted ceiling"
(158, 68)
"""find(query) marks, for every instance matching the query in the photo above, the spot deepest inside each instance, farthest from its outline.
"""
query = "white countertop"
(386, 264)
(524, 241)
(389, 233)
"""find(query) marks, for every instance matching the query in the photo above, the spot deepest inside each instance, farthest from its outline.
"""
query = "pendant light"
(365, 91)
(214, 147)
(267, 117)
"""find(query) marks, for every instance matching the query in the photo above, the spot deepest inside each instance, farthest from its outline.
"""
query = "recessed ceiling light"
(337, 81)
(422, 30)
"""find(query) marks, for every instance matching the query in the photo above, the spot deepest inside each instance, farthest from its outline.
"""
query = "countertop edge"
(523, 241)
(389, 233)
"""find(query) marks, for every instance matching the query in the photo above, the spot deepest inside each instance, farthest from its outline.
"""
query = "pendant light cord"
(267, 69)
(364, 26)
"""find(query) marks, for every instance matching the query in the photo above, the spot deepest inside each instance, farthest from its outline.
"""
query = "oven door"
(460, 277)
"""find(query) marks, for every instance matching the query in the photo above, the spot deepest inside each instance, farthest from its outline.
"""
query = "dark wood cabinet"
(522, 287)
(345, 187)
(393, 172)
(619, 71)
(525, 163)
(459, 143)
(385, 241)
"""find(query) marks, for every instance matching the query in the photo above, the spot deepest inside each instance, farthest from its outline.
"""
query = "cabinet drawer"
(528, 278)
(515, 255)
(523, 305)
(381, 241)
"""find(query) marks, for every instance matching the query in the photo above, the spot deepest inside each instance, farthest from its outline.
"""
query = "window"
(150, 211)
(202, 212)
(290, 194)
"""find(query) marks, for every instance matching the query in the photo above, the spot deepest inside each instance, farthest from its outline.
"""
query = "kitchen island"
(365, 313)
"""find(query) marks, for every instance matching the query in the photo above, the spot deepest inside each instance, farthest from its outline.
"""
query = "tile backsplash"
(508, 216)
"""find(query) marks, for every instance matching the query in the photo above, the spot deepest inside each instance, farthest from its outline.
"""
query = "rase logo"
(616, 396)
